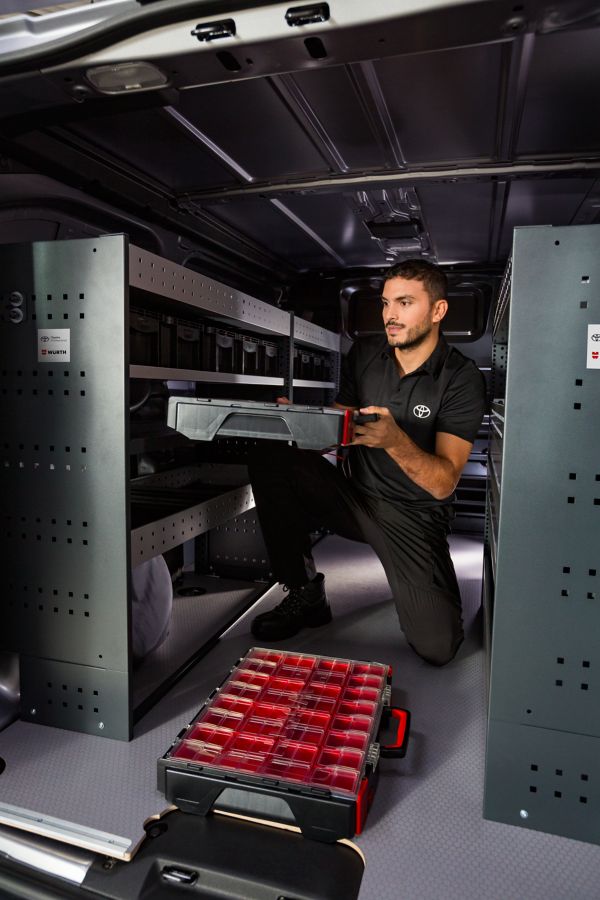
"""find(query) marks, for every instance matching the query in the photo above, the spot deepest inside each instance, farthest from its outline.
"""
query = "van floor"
(425, 838)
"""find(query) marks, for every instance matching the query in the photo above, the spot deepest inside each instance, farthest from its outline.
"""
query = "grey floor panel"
(425, 837)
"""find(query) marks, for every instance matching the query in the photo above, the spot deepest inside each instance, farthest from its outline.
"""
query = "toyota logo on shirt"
(421, 411)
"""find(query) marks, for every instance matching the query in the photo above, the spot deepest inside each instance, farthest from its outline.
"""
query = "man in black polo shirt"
(397, 492)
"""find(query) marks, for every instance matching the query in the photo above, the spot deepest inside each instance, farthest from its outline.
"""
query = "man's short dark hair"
(433, 279)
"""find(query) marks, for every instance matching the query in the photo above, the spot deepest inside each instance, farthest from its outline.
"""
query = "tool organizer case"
(291, 727)
(310, 427)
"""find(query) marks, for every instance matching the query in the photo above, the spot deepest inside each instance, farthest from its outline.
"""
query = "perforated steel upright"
(64, 480)
(543, 753)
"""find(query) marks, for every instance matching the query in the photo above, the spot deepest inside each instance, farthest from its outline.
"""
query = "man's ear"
(440, 308)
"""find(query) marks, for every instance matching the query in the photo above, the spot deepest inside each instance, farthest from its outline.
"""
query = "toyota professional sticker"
(593, 347)
(54, 345)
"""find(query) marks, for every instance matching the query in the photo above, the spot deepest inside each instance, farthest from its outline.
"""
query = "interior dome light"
(125, 78)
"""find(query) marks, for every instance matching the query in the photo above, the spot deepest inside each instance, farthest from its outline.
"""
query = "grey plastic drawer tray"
(310, 427)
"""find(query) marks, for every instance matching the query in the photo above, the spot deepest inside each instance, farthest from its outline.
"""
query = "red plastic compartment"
(210, 734)
(242, 762)
(195, 752)
(359, 668)
(247, 676)
(357, 707)
(337, 777)
(357, 740)
(231, 703)
(373, 681)
(241, 689)
(344, 756)
(288, 769)
(294, 750)
(361, 693)
(216, 716)
(353, 723)
(334, 665)
(299, 662)
(268, 655)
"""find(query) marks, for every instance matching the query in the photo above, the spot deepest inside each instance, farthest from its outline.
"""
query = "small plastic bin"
(250, 356)
(317, 372)
(221, 350)
(144, 338)
(166, 353)
(188, 345)
(268, 358)
(306, 365)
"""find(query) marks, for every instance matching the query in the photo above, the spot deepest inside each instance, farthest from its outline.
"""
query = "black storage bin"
(306, 364)
(250, 356)
(269, 358)
(188, 346)
(144, 338)
(166, 353)
(318, 367)
(222, 350)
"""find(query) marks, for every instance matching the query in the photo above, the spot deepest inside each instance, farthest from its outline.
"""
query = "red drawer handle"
(398, 748)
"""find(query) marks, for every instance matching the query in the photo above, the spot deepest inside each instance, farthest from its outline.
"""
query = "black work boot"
(303, 606)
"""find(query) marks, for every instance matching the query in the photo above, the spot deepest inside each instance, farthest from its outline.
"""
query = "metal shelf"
(182, 525)
(167, 279)
(305, 332)
(307, 383)
(157, 373)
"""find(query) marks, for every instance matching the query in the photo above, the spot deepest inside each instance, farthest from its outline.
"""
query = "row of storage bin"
(170, 342)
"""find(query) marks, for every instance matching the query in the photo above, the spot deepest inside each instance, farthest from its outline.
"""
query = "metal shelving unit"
(75, 523)
(542, 557)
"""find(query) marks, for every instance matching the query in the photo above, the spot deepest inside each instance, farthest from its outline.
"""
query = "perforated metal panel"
(544, 709)
(64, 479)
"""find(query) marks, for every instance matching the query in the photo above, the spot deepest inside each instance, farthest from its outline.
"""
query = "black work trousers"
(297, 491)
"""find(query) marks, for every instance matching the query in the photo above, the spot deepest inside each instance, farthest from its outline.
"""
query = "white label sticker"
(593, 347)
(54, 345)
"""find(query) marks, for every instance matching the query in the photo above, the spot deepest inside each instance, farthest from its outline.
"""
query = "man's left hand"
(384, 433)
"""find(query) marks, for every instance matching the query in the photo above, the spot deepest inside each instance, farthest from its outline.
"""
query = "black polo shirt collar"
(432, 365)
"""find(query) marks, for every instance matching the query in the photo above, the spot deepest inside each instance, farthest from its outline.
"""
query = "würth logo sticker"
(593, 347)
(54, 345)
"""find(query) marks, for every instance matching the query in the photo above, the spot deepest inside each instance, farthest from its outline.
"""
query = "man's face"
(408, 314)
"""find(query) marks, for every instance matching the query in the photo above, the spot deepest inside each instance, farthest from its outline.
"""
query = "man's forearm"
(432, 473)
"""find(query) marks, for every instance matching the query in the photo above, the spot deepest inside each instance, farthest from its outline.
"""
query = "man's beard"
(414, 337)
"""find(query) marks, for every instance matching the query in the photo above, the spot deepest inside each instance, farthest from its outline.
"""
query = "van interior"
(198, 203)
